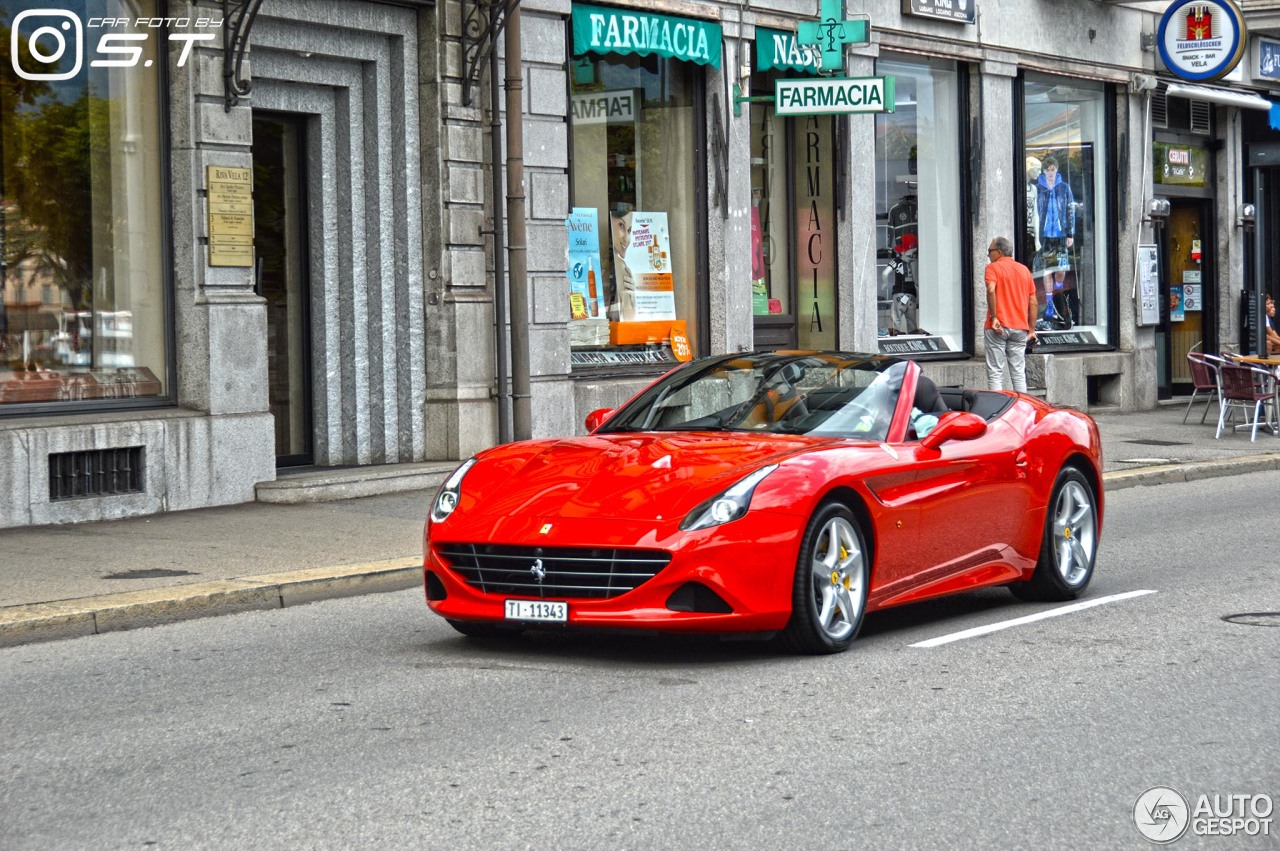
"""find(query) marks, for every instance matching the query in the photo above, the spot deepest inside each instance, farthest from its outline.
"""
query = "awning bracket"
(237, 21)
(482, 23)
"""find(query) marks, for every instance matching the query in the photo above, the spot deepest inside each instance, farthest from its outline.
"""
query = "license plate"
(546, 611)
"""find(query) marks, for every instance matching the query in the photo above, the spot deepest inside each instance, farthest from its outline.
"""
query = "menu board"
(230, 192)
(1148, 285)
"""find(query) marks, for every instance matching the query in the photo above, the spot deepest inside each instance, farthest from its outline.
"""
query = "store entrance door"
(1189, 293)
(280, 212)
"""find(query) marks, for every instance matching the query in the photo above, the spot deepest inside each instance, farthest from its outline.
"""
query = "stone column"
(856, 277)
(222, 336)
(993, 184)
(729, 201)
(460, 412)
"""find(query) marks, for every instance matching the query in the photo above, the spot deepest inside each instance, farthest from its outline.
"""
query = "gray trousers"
(1009, 347)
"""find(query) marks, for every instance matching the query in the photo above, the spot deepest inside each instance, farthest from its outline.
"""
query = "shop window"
(793, 169)
(636, 296)
(919, 233)
(84, 307)
(1064, 200)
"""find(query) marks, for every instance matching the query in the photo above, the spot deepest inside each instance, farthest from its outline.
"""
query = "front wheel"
(829, 595)
(1070, 543)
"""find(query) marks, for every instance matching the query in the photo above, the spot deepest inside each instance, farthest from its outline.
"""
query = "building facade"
(208, 283)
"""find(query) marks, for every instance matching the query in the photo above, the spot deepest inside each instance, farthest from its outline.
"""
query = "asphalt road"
(369, 723)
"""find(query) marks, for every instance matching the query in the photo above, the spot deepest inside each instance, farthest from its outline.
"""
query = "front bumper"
(748, 563)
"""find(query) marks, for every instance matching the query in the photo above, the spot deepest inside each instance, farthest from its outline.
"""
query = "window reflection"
(1063, 241)
(83, 296)
(919, 227)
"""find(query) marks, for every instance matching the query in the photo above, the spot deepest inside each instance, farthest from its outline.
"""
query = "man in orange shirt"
(1011, 315)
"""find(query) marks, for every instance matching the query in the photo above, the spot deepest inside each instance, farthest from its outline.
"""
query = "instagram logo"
(47, 43)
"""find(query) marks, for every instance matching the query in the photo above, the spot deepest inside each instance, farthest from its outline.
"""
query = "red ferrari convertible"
(788, 492)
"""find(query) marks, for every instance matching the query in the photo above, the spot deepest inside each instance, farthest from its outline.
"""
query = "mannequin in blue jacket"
(1056, 207)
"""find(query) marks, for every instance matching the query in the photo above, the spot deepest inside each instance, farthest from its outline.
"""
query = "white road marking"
(1038, 616)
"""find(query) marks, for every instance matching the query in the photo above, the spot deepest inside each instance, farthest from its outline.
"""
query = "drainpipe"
(516, 247)
(499, 285)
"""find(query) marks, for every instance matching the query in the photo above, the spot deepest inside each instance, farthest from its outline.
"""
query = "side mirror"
(596, 418)
(955, 425)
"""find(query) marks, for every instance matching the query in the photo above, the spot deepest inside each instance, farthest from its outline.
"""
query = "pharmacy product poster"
(586, 282)
(642, 266)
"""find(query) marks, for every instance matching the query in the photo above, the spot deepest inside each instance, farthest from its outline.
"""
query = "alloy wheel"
(1074, 532)
(838, 574)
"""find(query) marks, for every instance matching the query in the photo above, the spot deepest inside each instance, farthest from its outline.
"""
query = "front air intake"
(552, 572)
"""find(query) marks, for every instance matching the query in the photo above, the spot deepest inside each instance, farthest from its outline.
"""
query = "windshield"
(784, 393)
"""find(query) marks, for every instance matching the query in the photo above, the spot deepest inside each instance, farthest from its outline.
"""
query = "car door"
(971, 500)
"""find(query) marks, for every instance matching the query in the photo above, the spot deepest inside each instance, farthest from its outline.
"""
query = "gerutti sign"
(834, 96)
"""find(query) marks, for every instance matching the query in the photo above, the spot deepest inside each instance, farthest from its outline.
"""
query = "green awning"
(602, 29)
(778, 49)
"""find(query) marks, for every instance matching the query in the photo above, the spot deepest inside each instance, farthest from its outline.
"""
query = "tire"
(478, 629)
(1070, 544)
(829, 594)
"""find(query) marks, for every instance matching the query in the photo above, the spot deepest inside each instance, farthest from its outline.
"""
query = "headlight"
(450, 492)
(729, 505)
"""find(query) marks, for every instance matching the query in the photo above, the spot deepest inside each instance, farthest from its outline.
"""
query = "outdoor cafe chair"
(1249, 390)
(1204, 379)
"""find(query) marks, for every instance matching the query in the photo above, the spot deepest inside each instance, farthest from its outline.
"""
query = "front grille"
(566, 571)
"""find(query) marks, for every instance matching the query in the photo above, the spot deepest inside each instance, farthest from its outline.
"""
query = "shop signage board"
(834, 96)
(1201, 40)
(1148, 285)
(913, 345)
(1268, 59)
(777, 50)
(1180, 165)
(959, 11)
(230, 202)
(603, 29)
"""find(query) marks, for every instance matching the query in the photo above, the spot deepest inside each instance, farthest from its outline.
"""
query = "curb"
(136, 609)
(35, 622)
(1172, 473)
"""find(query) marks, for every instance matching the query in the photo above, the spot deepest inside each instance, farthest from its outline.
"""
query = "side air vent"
(1160, 109)
(1201, 117)
(96, 472)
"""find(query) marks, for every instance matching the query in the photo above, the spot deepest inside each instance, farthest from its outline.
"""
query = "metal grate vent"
(95, 472)
(1201, 117)
(1160, 109)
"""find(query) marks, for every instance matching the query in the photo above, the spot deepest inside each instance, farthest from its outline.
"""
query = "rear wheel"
(1070, 543)
(829, 595)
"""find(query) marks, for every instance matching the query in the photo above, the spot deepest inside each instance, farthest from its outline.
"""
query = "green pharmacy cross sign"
(830, 34)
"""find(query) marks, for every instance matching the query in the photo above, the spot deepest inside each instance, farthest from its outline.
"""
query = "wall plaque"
(230, 192)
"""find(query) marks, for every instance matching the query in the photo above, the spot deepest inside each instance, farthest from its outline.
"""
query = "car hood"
(641, 476)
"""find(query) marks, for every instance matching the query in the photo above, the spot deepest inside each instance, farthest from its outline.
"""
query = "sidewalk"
(68, 581)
